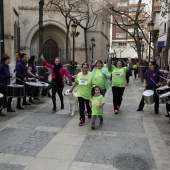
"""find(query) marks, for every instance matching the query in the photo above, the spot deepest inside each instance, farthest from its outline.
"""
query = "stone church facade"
(21, 27)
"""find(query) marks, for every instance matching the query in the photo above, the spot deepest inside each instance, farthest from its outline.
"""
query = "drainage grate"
(131, 162)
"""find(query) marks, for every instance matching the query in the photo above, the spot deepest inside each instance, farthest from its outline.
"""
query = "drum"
(15, 90)
(162, 90)
(44, 91)
(1, 100)
(148, 96)
(33, 89)
(165, 98)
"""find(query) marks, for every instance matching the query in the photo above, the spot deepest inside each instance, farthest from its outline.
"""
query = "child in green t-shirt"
(96, 103)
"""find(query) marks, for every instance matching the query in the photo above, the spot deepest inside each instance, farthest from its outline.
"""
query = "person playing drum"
(4, 81)
(152, 80)
(21, 77)
(32, 70)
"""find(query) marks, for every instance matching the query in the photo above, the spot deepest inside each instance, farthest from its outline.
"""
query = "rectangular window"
(120, 35)
(121, 4)
(122, 44)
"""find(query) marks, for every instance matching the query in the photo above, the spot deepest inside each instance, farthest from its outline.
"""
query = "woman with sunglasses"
(84, 80)
(152, 80)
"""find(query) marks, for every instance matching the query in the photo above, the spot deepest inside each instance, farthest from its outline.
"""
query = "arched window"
(50, 50)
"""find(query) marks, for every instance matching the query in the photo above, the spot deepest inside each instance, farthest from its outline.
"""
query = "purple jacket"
(21, 70)
(153, 76)
(4, 74)
(34, 69)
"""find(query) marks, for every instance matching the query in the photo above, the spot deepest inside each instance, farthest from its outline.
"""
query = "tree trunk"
(85, 41)
(41, 5)
(167, 49)
(67, 50)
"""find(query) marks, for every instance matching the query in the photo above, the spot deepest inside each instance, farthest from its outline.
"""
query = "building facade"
(21, 30)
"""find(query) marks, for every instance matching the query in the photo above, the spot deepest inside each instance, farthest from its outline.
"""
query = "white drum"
(33, 89)
(162, 90)
(45, 90)
(165, 98)
(148, 97)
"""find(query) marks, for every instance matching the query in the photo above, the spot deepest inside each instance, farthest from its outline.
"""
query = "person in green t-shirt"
(119, 82)
(101, 75)
(84, 80)
(96, 103)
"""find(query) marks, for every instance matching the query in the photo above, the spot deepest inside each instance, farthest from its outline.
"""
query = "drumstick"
(163, 78)
(153, 81)
(20, 80)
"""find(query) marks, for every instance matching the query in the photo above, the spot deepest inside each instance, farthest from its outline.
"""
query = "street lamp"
(150, 29)
(120, 53)
(142, 48)
(92, 45)
(74, 34)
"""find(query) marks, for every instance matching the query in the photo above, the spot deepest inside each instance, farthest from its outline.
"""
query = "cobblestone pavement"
(37, 139)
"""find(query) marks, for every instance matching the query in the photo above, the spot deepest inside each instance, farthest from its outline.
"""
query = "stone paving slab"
(10, 167)
(46, 119)
(25, 142)
(102, 150)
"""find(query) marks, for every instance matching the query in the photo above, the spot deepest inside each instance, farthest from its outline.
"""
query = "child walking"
(96, 103)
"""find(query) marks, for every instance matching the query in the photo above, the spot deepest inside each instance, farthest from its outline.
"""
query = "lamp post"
(92, 45)
(74, 34)
(142, 48)
(2, 49)
(150, 29)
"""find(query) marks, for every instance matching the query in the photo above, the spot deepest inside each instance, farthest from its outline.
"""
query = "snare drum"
(45, 90)
(165, 98)
(148, 96)
(33, 89)
(15, 90)
(162, 90)
(1, 100)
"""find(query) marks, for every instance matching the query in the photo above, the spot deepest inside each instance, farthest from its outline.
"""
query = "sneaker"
(81, 122)
(20, 108)
(1, 114)
(89, 115)
(139, 109)
(116, 112)
(156, 111)
(93, 126)
(54, 109)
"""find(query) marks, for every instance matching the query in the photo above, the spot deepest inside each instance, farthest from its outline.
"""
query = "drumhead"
(163, 88)
(1, 95)
(165, 95)
(15, 85)
(148, 92)
(42, 83)
(33, 84)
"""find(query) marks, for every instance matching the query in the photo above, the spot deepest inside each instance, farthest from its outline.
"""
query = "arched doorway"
(50, 50)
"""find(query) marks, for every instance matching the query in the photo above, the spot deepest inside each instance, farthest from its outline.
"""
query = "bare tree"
(124, 19)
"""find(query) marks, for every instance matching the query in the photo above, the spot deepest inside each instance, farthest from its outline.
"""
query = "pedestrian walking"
(135, 68)
(101, 75)
(118, 82)
(57, 83)
(96, 103)
(152, 80)
(84, 80)
(128, 73)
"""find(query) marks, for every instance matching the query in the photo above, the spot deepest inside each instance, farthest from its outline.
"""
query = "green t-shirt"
(135, 66)
(85, 83)
(96, 100)
(99, 78)
(119, 77)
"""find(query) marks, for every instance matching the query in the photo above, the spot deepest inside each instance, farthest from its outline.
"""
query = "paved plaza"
(37, 139)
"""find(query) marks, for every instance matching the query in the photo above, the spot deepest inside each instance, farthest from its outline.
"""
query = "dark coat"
(21, 70)
(4, 74)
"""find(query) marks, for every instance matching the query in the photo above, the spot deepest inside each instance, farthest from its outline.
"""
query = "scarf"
(57, 74)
